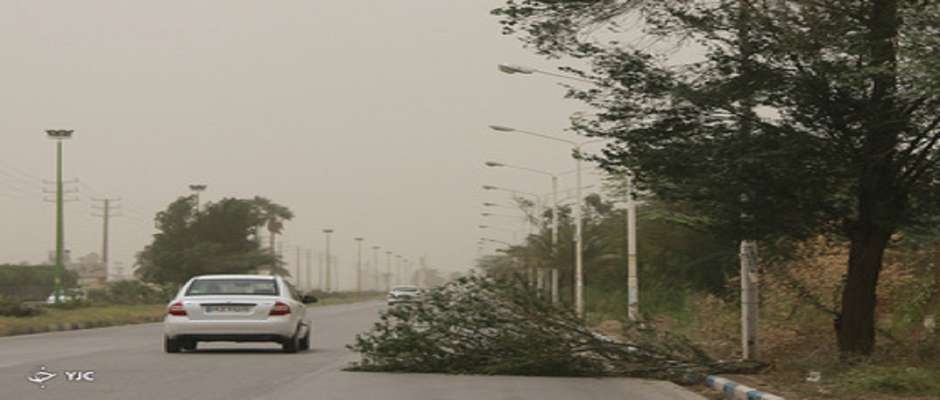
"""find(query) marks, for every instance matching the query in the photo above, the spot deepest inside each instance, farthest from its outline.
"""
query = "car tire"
(189, 345)
(305, 341)
(171, 345)
(292, 344)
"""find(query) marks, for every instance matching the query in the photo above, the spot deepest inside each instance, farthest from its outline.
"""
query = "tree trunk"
(856, 326)
(881, 201)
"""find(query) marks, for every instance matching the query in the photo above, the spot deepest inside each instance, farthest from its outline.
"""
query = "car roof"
(243, 276)
(404, 287)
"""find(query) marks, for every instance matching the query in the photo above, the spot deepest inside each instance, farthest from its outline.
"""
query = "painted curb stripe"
(737, 391)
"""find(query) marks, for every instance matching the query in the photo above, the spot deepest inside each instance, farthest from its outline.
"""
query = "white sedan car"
(403, 294)
(237, 308)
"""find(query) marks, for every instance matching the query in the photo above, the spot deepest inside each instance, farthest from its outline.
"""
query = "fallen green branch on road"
(477, 325)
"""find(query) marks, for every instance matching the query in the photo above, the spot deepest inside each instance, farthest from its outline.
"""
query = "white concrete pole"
(633, 290)
(554, 270)
(749, 299)
(578, 267)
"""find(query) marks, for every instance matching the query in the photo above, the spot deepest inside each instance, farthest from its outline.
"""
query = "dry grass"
(796, 334)
(86, 317)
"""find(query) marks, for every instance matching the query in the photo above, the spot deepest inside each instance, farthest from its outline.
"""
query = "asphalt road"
(129, 363)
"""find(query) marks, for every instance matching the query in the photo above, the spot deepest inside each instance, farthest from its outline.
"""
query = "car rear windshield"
(256, 287)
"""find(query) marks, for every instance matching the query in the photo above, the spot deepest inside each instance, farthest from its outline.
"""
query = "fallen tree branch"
(477, 325)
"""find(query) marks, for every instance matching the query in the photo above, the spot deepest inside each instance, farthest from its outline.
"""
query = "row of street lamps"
(403, 264)
(327, 281)
(579, 204)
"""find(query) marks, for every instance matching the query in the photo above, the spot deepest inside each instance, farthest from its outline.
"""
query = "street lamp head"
(59, 134)
(359, 239)
(490, 204)
(197, 188)
(327, 231)
(483, 226)
(376, 247)
(514, 69)
(500, 128)
(485, 214)
(488, 187)
(494, 164)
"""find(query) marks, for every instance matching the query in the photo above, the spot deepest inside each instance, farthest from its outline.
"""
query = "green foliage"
(796, 119)
(221, 238)
(9, 308)
(478, 325)
(31, 283)
(130, 292)
(674, 256)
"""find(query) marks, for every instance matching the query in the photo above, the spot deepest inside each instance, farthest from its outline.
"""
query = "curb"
(734, 390)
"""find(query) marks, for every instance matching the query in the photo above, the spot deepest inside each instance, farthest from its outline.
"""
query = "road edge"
(734, 390)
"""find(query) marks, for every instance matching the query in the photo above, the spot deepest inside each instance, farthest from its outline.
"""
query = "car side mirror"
(307, 299)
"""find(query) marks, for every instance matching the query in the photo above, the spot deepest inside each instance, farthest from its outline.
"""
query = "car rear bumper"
(274, 329)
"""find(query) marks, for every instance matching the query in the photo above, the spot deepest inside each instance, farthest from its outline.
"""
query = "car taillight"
(280, 309)
(177, 309)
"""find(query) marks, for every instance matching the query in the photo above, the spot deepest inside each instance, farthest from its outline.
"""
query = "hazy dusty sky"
(368, 117)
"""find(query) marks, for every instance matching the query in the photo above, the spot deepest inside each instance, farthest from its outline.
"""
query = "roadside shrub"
(31, 282)
(70, 304)
(129, 292)
(10, 308)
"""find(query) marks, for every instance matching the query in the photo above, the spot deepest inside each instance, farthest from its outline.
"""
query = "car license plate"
(227, 309)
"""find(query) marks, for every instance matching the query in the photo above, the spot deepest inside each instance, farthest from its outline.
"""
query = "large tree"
(797, 118)
(273, 217)
(218, 239)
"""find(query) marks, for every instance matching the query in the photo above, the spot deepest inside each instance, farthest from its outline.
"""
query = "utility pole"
(398, 269)
(748, 254)
(309, 281)
(554, 270)
(388, 273)
(749, 299)
(336, 281)
(329, 282)
(375, 265)
(59, 269)
(359, 265)
(633, 280)
(197, 189)
(106, 213)
(320, 281)
(297, 280)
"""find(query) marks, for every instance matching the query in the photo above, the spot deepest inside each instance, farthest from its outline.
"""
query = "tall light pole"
(398, 269)
(359, 265)
(553, 269)
(375, 264)
(388, 269)
(579, 267)
(59, 269)
(329, 285)
(197, 189)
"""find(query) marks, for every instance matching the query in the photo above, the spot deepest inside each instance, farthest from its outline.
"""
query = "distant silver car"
(237, 308)
(403, 294)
